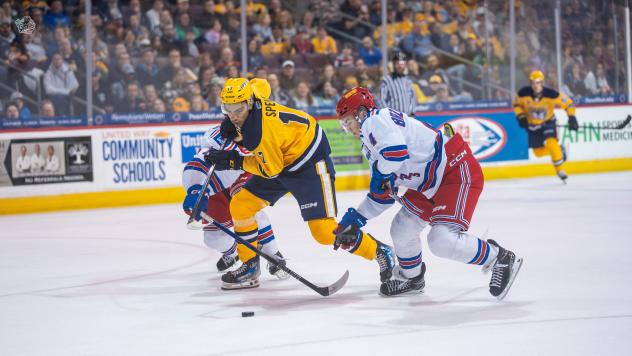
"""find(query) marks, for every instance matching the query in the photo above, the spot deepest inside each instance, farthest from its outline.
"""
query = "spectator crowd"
(174, 55)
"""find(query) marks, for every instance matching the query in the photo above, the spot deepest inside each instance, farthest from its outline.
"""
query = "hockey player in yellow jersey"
(289, 152)
(534, 106)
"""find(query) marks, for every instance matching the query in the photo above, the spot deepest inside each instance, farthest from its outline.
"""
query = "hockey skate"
(563, 176)
(275, 270)
(401, 285)
(384, 257)
(226, 261)
(246, 276)
(504, 269)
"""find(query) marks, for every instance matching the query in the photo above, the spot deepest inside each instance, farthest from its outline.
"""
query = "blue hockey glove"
(381, 184)
(224, 160)
(189, 201)
(348, 228)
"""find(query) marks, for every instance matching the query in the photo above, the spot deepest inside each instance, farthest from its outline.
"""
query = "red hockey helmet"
(349, 105)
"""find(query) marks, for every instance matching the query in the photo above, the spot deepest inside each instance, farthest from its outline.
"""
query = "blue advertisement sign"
(191, 142)
(493, 136)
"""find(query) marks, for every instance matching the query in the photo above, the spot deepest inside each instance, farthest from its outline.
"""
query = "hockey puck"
(247, 314)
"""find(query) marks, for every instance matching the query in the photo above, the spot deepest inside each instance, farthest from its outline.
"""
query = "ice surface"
(134, 281)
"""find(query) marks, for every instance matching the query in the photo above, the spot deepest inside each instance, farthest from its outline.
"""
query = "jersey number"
(397, 117)
(287, 117)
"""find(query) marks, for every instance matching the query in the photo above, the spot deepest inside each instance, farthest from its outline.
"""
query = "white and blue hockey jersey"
(196, 170)
(402, 145)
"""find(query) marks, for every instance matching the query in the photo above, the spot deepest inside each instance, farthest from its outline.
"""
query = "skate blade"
(253, 283)
(404, 294)
(514, 273)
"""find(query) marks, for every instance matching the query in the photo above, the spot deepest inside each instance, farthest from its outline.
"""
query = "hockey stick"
(622, 125)
(192, 223)
(324, 291)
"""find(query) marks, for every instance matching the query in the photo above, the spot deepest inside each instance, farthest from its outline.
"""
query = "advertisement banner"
(593, 139)
(46, 160)
(346, 151)
(140, 157)
(191, 143)
(493, 136)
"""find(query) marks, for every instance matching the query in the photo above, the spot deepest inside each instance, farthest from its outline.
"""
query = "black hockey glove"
(224, 160)
(522, 121)
(572, 123)
(348, 229)
(227, 129)
(348, 237)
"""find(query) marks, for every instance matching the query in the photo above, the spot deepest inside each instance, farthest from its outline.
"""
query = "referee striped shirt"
(396, 92)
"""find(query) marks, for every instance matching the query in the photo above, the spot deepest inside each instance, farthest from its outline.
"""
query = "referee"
(396, 90)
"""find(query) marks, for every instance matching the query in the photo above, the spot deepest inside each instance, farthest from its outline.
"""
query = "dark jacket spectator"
(255, 58)
(147, 69)
(575, 81)
(227, 59)
(170, 41)
(277, 93)
(287, 77)
(167, 72)
(100, 94)
(133, 100)
(12, 112)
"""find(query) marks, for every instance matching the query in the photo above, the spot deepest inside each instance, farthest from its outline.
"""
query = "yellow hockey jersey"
(280, 139)
(539, 111)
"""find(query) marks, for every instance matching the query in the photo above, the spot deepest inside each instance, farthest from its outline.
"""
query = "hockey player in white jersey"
(443, 181)
(223, 185)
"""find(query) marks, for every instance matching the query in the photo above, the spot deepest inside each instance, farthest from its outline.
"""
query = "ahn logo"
(485, 137)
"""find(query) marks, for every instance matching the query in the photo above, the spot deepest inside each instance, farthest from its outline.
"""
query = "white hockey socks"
(405, 231)
(450, 242)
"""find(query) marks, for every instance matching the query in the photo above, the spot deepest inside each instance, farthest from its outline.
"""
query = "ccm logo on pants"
(456, 159)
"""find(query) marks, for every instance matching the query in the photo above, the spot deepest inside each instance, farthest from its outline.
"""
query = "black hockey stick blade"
(624, 123)
(621, 126)
(324, 291)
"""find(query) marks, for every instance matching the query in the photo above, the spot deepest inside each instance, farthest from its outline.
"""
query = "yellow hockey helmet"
(236, 90)
(536, 75)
